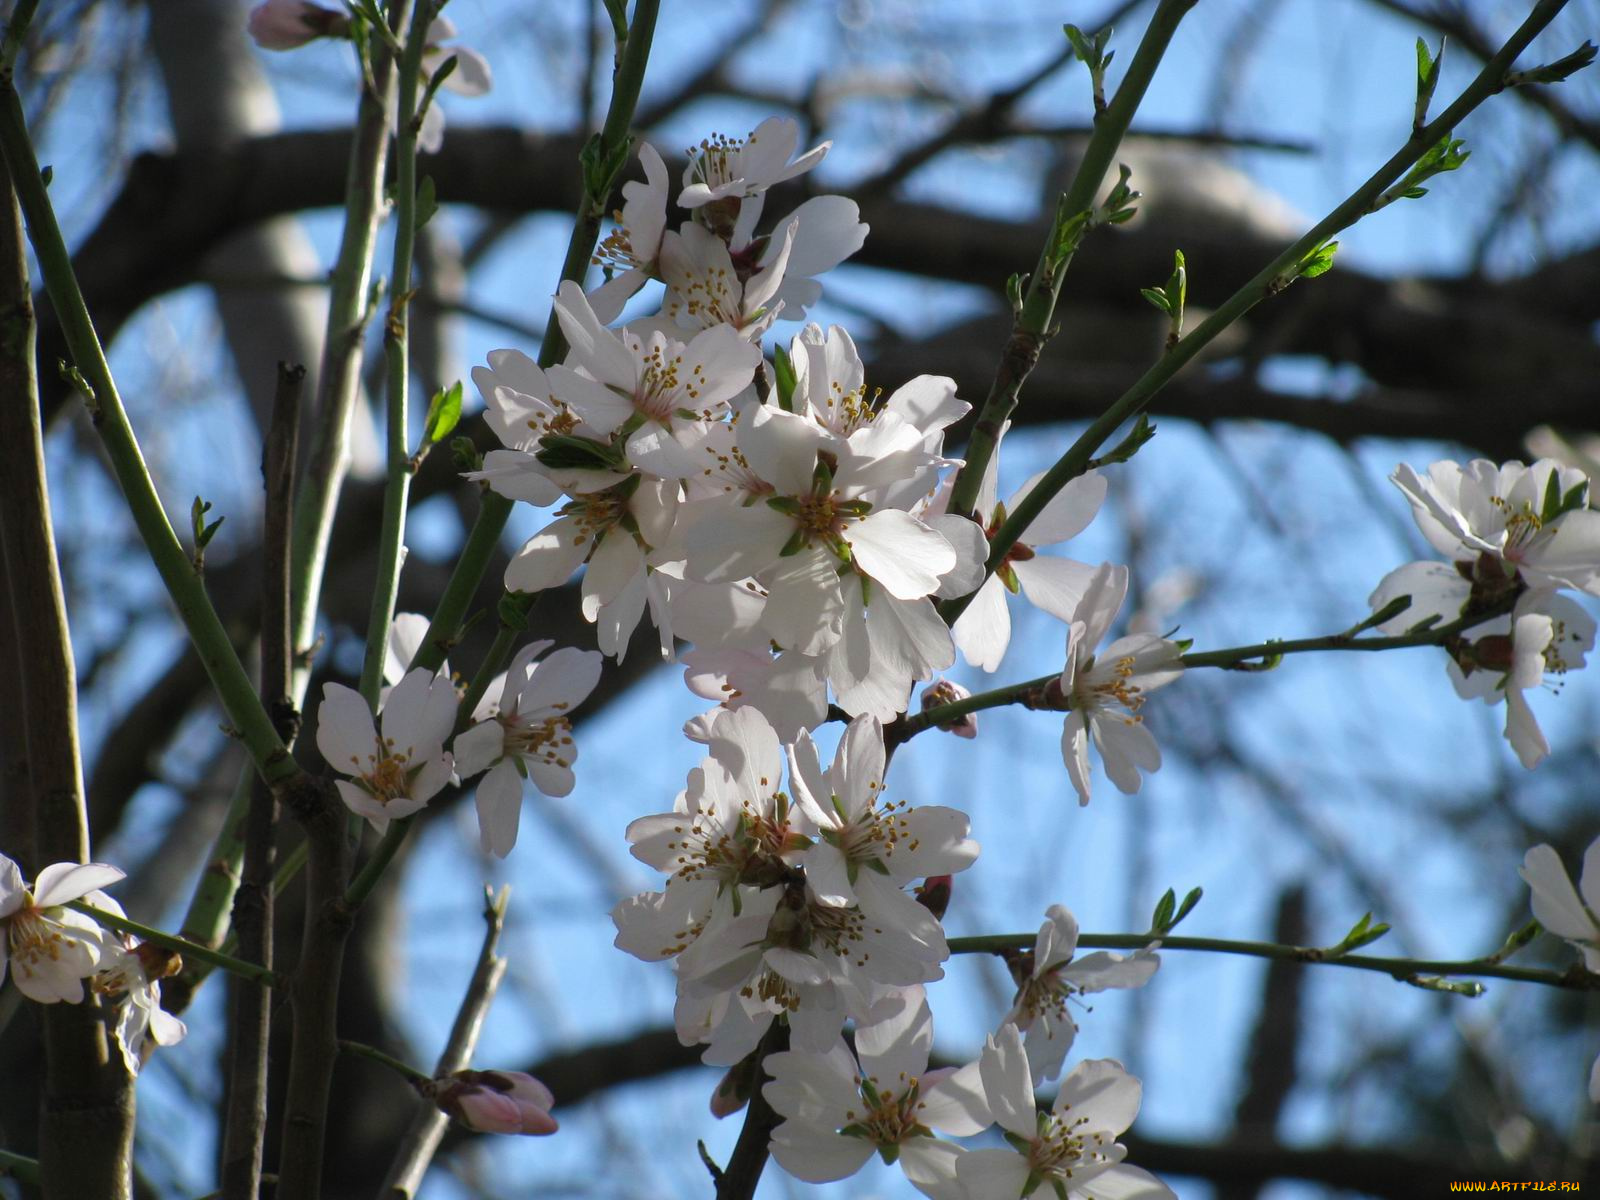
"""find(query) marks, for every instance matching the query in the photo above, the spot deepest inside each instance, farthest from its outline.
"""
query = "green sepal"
(783, 372)
(796, 543)
(427, 201)
(565, 451)
(464, 453)
(787, 505)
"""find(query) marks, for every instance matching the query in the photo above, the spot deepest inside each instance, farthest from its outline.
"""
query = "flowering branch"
(403, 1069)
(1035, 310)
(1430, 974)
(421, 1138)
(1270, 280)
(227, 962)
(1044, 691)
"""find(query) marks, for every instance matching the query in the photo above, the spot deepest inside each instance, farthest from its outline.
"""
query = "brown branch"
(738, 1180)
(422, 1137)
(86, 1129)
(245, 1119)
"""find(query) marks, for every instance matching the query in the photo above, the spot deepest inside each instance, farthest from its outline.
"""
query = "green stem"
(505, 644)
(397, 489)
(19, 1166)
(183, 582)
(1036, 316)
(215, 958)
(1406, 970)
(1268, 281)
(403, 1069)
(11, 44)
(1036, 692)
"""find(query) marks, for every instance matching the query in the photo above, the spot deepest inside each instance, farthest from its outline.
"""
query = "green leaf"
(427, 201)
(1319, 261)
(514, 609)
(565, 452)
(444, 413)
(1187, 907)
(1551, 508)
(1014, 286)
(1557, 71)
(464, 453)
(1427, 79)
(1157, 297)
(1165, 907)
(1082, 49)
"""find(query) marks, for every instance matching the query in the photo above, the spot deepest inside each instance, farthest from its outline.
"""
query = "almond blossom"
(290, 24)
(470, 77)
(526, 736)
(49, 948)
(1073, 1148)
(634, 246)
(1105, 692)
(496, 1101)
(838, 1112)
(1529, 521)
(724, 168)
(868, 845)
(983, 631)
(396, 774)
(132, 971)
(1047, 980)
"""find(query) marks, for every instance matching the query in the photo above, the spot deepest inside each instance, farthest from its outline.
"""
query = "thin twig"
(1416, 971)
(421, 1138)
(245, 1120)
(739, 1178)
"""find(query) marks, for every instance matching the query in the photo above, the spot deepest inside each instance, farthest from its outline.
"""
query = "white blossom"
(393, 775)
(1106, 691)
(723, 168)
(527, 735)
(1073, 1148)
(50, 949)
(1559, 906)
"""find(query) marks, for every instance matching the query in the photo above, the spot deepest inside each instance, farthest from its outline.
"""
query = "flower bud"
(290, 24)
(734, 1090)
(943, 691)
(496, 1101)
(933, 893)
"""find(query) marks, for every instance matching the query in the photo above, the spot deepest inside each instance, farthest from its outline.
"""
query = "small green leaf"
(1157, 297)
(1551, 507)
(1165, 907)
(1014, 286)
(514, 609)
(1427, 80)
(464, 453)
(1319, 261)
(427, 201)
(1557, 71)
(1188, 905)
(444, 413)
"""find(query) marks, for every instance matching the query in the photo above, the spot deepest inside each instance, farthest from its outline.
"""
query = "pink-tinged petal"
(499, 804)
(479, 748)
(1589, 884)
(549, 557)
(1057, 939)
(828, 230)
(13, 889)
(1555, 900)
(858, 766)
(1123, 1182)
(930, 1166)
(805, 605)
(593, 347)
(1101, 1091)
(419, 714)
(983, 631)
(1007, 1084)
(1055, 585)
(1523, 732)
(828, 875)
(346, 735)
(1068, 512)
(61, 882)
(909, 639)
(957, 1104)
(894, 1051)
(363, 804)
(992, 1174)
(1075, 754)
(817, 1156)
(1105, 969)
(739, 543)
(781, 448)
(601, 408)
(472, 76)
(1126, 747)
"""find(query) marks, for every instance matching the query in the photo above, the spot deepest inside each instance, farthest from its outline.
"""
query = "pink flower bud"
(496, 1101)
(933, 893)
(733, 1092)
(943, 691)
(290, 24)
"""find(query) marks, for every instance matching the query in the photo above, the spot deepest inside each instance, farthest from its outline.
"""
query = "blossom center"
(1063, 1146)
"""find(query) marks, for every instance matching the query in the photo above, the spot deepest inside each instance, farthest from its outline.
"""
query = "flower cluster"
(1516, 536)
